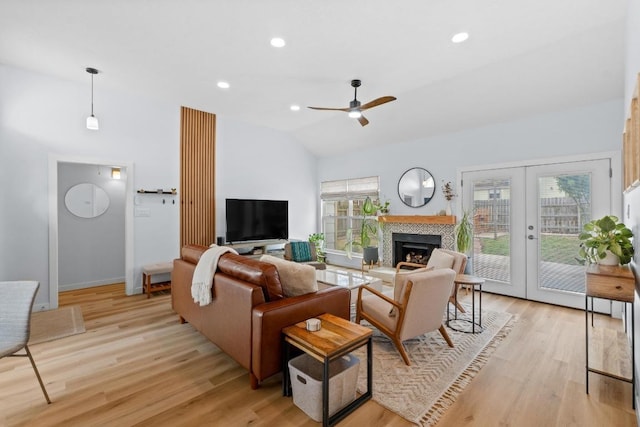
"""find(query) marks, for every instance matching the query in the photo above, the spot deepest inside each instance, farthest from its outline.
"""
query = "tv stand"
(257, 244)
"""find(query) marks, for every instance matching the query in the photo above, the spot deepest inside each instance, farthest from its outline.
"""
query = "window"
(342, 202)
(494, 193)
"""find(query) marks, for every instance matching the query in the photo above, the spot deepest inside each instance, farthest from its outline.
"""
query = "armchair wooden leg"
(402, 351)
(445, 335)
(453, 301)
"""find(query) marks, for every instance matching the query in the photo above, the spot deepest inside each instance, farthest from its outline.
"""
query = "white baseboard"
(40, 307)
(102, 282)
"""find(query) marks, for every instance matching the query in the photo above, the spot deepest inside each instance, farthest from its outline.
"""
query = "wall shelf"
(172, 192)
(418, 219)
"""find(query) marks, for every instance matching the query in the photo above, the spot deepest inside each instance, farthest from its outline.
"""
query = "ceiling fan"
(355, 109)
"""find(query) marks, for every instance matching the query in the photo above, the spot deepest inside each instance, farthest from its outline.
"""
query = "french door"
(526, 225)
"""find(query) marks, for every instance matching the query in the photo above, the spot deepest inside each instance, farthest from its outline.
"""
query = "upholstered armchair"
(303, 252)
(443, 258)
(419, 306)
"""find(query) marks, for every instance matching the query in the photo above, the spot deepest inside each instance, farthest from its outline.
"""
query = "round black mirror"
(416, 187)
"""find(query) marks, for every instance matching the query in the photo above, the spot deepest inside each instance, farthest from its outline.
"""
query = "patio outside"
(564, 206)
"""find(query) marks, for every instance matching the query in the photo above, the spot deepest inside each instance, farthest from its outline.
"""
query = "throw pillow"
(400, 280)
(296, 279)
(440, 259)
(301, 251)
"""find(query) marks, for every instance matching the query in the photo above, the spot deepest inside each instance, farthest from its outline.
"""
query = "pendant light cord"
(92, 94)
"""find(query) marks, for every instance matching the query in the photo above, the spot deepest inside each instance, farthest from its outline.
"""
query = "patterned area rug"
(422, 392)
(55, 324)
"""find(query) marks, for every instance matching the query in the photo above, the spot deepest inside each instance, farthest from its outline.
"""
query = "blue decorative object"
(300, 251)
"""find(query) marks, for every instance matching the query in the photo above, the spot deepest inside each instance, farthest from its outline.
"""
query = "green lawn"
(554, 247)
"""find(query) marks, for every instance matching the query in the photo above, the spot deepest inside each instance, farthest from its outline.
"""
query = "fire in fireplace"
(414, 248)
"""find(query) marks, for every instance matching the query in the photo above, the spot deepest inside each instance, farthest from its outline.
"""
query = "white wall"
(632, 59)
(631, 206)
(41, 116)
(591, 129)
(254, 162)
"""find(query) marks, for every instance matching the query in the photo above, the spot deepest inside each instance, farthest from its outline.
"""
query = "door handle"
(530, 237)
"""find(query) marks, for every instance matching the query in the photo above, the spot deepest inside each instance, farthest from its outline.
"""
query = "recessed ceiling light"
(277, 42)
(223, 85)
(460, 37)
(295, 107)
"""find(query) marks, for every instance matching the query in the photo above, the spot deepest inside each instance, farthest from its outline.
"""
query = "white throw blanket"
(203, 275)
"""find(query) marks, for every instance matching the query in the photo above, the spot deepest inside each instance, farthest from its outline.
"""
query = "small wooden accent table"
(614, 283)
(150, 270)
(335, 338)
(466, 279)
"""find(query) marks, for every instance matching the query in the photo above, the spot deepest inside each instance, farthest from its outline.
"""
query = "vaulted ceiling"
(522, 58)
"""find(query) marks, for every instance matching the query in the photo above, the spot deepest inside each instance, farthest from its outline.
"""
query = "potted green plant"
(384, 208)
(606, 241)
(368, 229)
(318, 240)
(464, 238)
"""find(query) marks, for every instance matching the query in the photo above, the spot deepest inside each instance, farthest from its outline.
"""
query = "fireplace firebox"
(415, 248)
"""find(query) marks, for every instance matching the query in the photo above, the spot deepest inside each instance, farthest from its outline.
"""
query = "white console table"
(257, 244)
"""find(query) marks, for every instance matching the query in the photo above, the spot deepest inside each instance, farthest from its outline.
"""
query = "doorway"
(527, 219)
(57, 202)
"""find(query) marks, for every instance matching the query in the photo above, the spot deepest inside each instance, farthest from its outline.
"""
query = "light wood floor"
(136, 365)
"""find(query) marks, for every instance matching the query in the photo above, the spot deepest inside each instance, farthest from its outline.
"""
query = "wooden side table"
(335, 338)
(151, 269)
(473, 281)
(614, 283)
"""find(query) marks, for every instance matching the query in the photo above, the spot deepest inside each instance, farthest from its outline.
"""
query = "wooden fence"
(558, 215)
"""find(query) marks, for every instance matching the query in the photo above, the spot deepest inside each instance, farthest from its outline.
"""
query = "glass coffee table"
(348, 279)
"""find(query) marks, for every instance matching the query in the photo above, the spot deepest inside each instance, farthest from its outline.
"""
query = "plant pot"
(609, 259)
(468, 268)
(370, 255)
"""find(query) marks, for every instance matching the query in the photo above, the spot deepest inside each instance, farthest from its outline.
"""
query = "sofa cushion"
(296, 279)
(253, 271)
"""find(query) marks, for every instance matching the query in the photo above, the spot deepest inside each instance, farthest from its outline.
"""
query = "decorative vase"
(609, 259)
(468, 268)
(448, 208)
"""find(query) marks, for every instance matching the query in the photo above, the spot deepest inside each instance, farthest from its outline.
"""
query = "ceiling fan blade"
(378, 101)
(363, 121)
(331, 109)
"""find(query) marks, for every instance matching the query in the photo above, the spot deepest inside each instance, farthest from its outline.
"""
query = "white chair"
(419, 307)
(443, 258)
(16, 302)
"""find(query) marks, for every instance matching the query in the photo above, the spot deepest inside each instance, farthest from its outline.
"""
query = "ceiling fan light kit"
(355, 108)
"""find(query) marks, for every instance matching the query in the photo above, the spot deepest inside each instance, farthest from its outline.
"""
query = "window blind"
(355, 188)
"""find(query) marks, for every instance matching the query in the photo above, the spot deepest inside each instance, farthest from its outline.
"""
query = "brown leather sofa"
(248, 309)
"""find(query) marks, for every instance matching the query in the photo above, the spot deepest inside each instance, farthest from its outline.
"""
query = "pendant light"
(92, 121)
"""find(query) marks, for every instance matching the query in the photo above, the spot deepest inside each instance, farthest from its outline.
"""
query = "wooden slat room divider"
(197, 177)
(631, 141)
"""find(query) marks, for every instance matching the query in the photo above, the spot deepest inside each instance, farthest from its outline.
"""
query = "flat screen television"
(250, 219)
